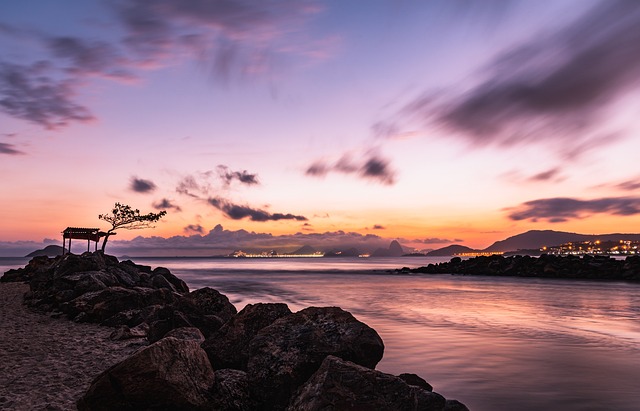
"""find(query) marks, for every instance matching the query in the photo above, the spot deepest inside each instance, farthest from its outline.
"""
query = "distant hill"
(394, 250)
(450, 250)
(304, 250)
(49, 251)
(536, 239)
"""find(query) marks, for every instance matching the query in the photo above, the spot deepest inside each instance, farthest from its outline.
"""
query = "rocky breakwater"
(545, 266)
(201, 354)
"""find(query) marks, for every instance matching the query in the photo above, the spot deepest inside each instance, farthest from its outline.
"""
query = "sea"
(493, 343)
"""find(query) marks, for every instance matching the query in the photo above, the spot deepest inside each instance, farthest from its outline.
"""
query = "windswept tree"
(123, 216)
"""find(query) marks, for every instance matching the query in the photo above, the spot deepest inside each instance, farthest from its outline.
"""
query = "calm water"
(493, 343)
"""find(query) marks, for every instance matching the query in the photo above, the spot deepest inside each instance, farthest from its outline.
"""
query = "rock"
(286, 353)
(206, 309)
(231, 392)
(343, 385)
(171, 374)
(125, 333)
(454, 405)
(101, 305)
(186, 333)
(229, 346)
(416, 381)
(166, 319)
(177, 283)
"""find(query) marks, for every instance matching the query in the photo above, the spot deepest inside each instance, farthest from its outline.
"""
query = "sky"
(281, 123)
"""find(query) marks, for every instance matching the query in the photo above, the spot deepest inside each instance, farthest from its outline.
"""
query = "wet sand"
(48, 363)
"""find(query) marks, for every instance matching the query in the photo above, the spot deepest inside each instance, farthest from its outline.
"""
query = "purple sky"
(329, 123)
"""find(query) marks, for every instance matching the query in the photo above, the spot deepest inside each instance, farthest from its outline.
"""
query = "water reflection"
(493, 343)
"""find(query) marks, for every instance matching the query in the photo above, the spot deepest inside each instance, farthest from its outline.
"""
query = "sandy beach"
(47, 363)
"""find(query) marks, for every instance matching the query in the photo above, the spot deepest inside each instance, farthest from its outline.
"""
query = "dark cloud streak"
(9, 149)
(238, 212)
(32, 93)
(140, 185)
(244, 177)
(556, 88)
(561, 209)
(372, 167)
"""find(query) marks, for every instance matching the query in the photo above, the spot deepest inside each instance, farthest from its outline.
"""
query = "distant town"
(597, 247)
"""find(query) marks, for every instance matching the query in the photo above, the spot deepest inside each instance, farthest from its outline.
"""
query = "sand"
(48, 363)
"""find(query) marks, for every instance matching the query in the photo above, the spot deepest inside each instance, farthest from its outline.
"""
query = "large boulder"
(206, 309)
(98, 306)
(231, 392)
(286, 353)
(340, 385)
(229, 346)
(171, 374)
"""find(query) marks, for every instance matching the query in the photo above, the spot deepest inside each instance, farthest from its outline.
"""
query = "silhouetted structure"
(89, 234)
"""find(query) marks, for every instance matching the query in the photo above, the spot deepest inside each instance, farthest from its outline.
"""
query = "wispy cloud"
(556, 88)
(33, 93)
(9, 149)
(236, 40)
(165, 204)
(194, 229)
(238, 212)
(244, 177)
(371, 167)
(140, 185)
(561, 209)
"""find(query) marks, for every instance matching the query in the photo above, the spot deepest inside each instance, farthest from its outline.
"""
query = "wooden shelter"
(89, 234)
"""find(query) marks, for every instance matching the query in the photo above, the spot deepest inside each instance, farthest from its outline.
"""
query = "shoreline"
(48, 363)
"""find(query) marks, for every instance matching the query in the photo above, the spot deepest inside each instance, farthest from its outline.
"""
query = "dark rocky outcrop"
(170, 374)
(231, 392)
(286, 353)
(48, 251)
(343, 385)
(229, 346)
(264, 357)
(546, 266)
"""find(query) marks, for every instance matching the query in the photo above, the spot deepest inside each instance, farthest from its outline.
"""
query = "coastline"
(48, 363)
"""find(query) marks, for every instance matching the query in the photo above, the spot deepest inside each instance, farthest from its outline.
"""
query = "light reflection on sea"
(493, 343)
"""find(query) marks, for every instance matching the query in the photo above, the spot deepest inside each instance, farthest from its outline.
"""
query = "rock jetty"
(201, 354)
(546, 266)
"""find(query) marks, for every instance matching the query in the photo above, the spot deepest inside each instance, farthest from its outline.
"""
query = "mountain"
(351, 252)
(49, 251)
(536, 239)
(394, 250)
(304, 250)
(450, 250)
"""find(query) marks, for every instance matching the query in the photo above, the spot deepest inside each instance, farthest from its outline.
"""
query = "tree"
(123, 216)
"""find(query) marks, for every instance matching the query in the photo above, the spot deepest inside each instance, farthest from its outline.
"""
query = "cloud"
(166, 204)
(630, 185)
(243, 177)
(195, 186)
(548, 175)
(140, 185)
(236, 39)
(555, 88)
(372, 167)
(194, 229)
(238, 212)
(561, 209)
(90, 58)
(219, 241)
(231, 39)
(378, 227)
(6, 148)
(435, 240)
(33, 93)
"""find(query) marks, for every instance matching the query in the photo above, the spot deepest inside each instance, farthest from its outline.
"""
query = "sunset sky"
(285, 123)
